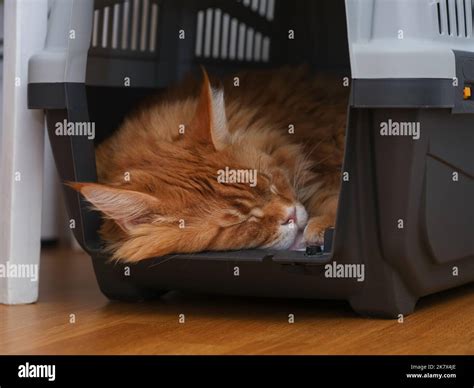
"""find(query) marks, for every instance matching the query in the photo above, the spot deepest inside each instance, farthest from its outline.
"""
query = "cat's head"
(207, 190)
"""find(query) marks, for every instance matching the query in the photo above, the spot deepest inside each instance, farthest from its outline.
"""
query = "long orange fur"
(158, 190)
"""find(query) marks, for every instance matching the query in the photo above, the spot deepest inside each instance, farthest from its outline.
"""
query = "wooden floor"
(442, 324)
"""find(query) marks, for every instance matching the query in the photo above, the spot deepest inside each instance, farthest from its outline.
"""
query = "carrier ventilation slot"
(265, 8)
(220, 36)
(454, 18)
(130, 25)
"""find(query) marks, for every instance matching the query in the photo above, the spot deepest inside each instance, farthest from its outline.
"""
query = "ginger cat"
(284, 127)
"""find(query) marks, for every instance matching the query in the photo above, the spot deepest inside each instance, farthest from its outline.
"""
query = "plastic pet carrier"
(406, 209)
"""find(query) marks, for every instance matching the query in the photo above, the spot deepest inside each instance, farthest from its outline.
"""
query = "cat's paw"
(314, 230)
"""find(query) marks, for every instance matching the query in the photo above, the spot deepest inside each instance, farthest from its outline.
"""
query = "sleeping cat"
(174, 178)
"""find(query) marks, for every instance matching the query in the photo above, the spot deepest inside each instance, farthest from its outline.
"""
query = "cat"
(285, 125)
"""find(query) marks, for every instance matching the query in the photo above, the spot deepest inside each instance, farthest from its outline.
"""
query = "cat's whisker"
(322, 160)
(316, 146)
(163, 261)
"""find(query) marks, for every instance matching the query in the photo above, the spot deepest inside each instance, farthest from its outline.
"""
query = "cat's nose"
(291, 217)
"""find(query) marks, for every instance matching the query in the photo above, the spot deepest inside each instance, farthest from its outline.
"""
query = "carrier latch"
(467, 93)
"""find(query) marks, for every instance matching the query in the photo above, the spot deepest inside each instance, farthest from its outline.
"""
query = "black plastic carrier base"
(405, 223)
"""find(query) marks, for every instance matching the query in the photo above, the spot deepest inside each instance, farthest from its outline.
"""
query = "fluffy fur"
(159, 191)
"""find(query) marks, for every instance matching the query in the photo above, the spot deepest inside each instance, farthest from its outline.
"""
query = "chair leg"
(21, 155)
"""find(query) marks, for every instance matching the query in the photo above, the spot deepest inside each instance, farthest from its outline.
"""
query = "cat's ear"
(209, 123)
(127, 208)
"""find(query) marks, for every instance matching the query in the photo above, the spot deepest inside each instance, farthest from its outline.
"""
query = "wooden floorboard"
(443, 323)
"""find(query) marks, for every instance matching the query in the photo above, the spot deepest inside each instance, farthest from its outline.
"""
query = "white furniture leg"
(21, 155)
